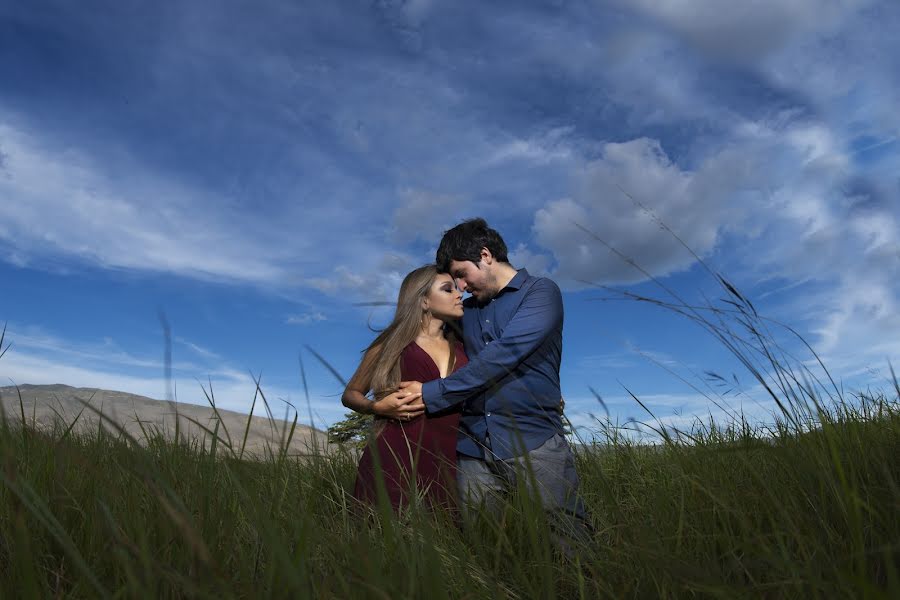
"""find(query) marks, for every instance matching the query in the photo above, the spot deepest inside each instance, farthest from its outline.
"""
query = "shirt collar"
(517, 281)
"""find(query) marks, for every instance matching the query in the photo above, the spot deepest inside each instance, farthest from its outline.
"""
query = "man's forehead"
(460, 265)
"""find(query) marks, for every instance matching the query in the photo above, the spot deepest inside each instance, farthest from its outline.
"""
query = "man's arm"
(539, 315)
(399, 405)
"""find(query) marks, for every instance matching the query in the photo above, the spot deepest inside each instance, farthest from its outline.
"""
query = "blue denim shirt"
(509, 391)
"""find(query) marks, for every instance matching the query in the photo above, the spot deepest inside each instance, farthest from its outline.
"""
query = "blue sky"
(256, 171)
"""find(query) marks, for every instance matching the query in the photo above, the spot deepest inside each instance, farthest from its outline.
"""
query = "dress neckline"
(431, 358)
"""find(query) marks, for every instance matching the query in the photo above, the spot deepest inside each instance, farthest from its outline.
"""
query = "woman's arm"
(399, 405)
(354, 396)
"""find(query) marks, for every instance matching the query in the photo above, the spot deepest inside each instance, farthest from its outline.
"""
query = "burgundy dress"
(417, 455)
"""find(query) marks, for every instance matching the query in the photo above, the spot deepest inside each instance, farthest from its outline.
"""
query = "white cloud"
(360, 283)
(306, 318)
(540, 150)
(105, 353)
(375, 277)
(850, 75)
(536, 264)
(847, 242)
(769, 174)
(60, 202)
(64, 208)
(67, 209)
(198, 350)
(777, 192)
(641, 169)
(746, 31)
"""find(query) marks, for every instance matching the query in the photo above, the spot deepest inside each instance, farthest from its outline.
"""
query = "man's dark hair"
(465, 241)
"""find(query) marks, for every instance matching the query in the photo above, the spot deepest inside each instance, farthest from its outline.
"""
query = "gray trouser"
(547, 472)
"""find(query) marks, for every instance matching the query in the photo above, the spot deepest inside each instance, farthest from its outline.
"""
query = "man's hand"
(401, 405)
(412, 387)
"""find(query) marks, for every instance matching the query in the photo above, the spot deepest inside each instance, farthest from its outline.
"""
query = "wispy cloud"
(68, 206)
(105, 352)
(594, 362)
(306, 318)
(198, 350)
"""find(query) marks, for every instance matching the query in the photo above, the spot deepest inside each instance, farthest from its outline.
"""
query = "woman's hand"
(401, 405)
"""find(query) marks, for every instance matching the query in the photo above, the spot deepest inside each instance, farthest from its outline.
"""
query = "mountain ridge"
(53, 405)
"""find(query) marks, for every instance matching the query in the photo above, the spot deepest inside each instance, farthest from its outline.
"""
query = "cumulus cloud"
(783, 171)
(536, 264)
(780, 191)
(642, 169)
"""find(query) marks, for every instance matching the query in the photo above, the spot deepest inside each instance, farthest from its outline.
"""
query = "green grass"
(733, 512)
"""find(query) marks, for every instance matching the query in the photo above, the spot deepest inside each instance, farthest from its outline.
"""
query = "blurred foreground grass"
(727, 512)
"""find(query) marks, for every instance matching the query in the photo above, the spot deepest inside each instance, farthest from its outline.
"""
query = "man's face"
(473, 278)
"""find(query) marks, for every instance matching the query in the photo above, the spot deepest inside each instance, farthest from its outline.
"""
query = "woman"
(411, 451)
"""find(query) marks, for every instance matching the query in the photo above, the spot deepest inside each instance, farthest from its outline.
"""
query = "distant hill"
(48, 403)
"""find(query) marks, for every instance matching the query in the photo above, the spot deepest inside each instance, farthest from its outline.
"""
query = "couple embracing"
(467, 393)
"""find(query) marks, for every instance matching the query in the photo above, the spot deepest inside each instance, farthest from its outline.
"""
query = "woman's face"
(444, 301)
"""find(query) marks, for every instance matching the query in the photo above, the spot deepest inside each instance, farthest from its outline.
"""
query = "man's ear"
(486, 256)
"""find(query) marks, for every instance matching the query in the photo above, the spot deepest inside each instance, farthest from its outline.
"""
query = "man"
(511, 429)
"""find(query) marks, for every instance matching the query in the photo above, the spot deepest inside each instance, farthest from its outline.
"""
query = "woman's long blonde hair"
(384, 372)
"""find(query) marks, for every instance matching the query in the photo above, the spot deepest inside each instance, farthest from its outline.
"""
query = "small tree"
(353, 429)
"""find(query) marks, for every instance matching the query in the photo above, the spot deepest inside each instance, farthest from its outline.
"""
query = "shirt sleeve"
(539, 315)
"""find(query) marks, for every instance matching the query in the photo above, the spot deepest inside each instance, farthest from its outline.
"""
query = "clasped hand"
(404, 404)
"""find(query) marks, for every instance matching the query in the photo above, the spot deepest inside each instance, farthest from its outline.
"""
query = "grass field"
(733, 512)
